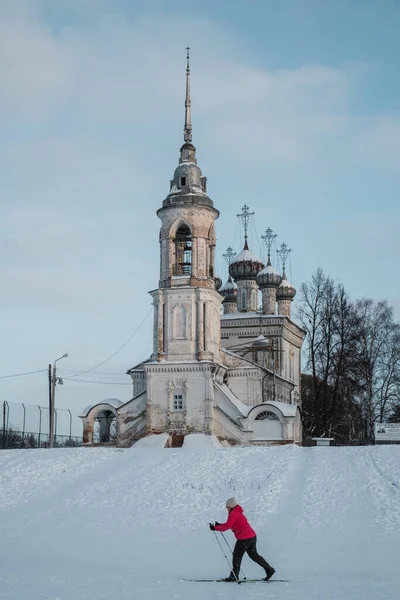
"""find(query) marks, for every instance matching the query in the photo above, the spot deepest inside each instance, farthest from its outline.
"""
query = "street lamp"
(52, 398)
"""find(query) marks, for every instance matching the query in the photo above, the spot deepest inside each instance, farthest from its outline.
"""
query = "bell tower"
(186, 304)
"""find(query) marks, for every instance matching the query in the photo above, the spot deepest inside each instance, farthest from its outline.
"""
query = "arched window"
(243, 307)
(183, 251)
(266, 415)
(254, 300)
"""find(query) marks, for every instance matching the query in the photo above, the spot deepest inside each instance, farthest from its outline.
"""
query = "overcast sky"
(295, 112)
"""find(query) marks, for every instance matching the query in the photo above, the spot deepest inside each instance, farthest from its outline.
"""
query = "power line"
(114, 354)
(102, 373)
(23, 374)
(99, 382)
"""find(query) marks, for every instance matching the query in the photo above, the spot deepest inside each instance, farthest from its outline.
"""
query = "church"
(220, 365)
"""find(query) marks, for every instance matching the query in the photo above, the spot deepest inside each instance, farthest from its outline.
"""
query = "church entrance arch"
(105, 427)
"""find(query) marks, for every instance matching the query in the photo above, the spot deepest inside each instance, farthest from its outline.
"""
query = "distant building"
(236, 374)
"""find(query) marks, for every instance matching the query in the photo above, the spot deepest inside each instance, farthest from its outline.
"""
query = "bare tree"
(353, 356)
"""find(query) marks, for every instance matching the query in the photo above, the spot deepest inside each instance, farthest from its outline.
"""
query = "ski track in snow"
(94, 524)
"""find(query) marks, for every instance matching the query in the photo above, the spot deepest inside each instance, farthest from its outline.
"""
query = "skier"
(246, 540)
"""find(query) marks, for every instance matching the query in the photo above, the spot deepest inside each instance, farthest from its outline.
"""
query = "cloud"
(91, 120)
(122, 72)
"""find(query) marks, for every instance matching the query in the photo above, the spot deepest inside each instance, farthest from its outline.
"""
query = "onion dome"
(268, 277)
(245, 265)
(285, 291)
(229, 290)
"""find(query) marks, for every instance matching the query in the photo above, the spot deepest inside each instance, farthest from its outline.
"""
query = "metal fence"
(27, 426)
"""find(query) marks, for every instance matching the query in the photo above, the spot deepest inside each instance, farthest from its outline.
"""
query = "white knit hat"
(231, 502)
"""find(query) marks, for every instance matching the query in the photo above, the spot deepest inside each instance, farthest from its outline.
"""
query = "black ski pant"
(249, 546)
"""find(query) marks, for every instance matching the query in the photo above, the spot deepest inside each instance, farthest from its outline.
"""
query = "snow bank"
(152, 441)
(196, 441)
(95, 524)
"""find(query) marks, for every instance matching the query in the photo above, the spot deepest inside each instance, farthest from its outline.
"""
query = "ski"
(263, 581)
(241, 581)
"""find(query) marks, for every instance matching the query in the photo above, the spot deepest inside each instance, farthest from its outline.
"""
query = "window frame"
(178, 402)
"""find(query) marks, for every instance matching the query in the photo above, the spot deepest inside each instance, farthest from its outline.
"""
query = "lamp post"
(52, 398)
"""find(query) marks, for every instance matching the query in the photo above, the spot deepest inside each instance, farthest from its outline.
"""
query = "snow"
(387, 432)
(285, 283)
(152, 441)
(247, 315)
(196, 441)
(114, 402)
(245, 255)
(95, 524)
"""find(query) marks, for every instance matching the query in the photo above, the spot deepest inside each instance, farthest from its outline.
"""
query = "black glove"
(216, 523)
(212, 527)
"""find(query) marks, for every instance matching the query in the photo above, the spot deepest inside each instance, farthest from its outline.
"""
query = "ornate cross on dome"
(245, 216)
(283, 253)
(268, 239)
(229, 254)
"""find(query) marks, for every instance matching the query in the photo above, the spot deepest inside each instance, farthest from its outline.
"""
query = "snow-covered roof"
(269, 269)
(229, 285)
(288, 410)
(247, 315)
(138, 366)
(285, 283)
(114, 402)
(245, 255)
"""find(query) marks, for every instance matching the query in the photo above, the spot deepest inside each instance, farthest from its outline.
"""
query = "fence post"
(70, 423)
(23, 425)
(4, 424)
(55, 427)
(40, 425)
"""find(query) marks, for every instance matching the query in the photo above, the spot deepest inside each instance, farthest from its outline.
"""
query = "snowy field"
(97, 524)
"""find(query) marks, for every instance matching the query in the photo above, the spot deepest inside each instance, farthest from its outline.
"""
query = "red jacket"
(238, 523)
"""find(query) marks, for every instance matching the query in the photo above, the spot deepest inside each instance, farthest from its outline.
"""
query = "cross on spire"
(245, 216)
(187, 131)
(268, 239)
(283, 252)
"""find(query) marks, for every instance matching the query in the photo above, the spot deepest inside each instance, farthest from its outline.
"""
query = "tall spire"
(187, 132)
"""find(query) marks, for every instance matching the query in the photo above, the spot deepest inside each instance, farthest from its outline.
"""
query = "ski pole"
(226, 558)
(231, 551)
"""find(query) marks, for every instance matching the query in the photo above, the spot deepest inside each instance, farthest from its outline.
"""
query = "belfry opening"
(183, 251)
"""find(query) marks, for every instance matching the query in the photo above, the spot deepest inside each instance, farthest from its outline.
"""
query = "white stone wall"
(246, 385)
(194, 383)
(139, 381)
(186, 324)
